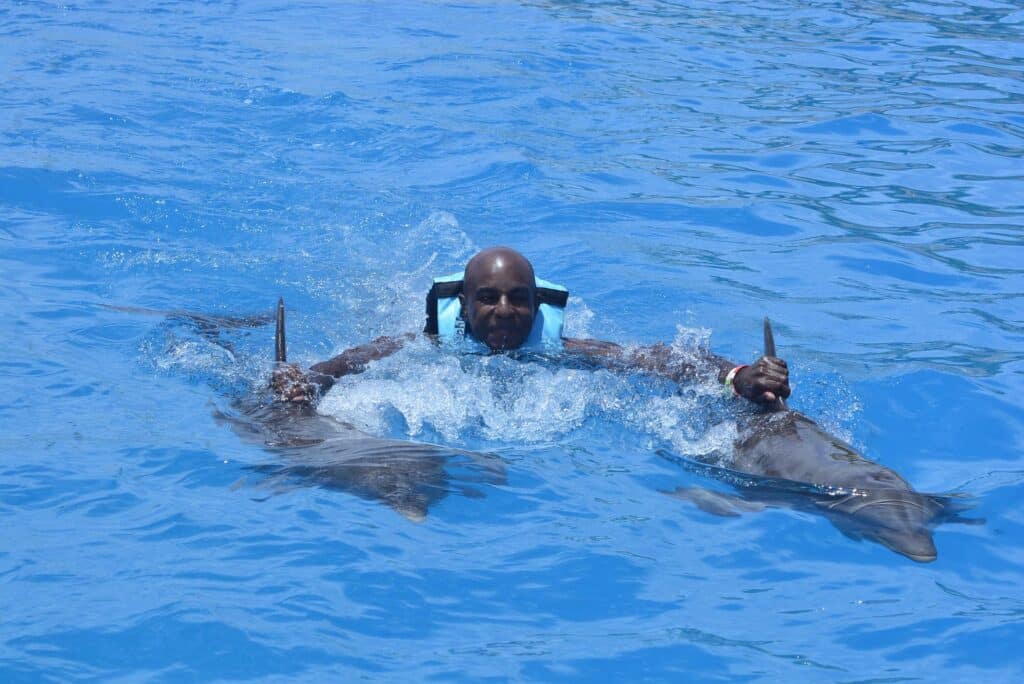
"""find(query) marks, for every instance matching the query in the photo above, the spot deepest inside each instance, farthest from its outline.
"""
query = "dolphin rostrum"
(796, 462)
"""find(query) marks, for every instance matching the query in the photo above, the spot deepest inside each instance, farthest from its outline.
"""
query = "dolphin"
(309, 448)
(794, 461)
(407, 476)
(312, 449)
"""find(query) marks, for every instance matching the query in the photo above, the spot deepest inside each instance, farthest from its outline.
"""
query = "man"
(500, 306)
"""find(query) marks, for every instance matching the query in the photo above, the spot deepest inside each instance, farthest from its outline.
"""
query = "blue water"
(855, 172)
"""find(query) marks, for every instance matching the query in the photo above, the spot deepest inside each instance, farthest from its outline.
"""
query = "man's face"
(499, 301)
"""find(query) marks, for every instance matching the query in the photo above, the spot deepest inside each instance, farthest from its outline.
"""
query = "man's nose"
(503, 307)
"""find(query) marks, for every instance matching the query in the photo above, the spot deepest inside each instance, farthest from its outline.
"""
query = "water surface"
(685, 169)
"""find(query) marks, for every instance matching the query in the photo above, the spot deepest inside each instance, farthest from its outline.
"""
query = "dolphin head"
(917, 545)
(900, 519)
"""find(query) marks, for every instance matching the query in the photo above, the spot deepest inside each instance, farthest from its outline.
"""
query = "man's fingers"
(773, 368)
(767, 380)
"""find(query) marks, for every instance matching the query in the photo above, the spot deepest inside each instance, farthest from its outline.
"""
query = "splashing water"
(426, 393)
(383, 293)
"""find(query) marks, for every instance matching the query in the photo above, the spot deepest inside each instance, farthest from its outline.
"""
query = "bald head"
(495, 259)
(499, 297)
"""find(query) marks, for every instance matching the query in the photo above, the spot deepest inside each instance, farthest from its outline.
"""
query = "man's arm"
(762, 381)
(354, 360)
(291, 384)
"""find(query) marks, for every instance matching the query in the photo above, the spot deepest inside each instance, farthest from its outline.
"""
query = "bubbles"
(827, 397)
(691, 422)
(382, 290)
(222, 359)
(491, 401)
(191, 355)
(466, 398)
(578, 317)
(691, 344)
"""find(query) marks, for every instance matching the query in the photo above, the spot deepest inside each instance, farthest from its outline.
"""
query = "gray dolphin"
(313, 449)
(407, 476)
(797, 463)
(310, 449)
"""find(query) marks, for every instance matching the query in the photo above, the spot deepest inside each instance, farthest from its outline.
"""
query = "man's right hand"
(289, 383)
(763, 381)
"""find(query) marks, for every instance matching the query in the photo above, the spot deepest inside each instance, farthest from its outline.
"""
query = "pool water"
(853, 172)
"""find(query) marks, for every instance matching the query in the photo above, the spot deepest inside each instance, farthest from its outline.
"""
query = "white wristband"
(732, 376)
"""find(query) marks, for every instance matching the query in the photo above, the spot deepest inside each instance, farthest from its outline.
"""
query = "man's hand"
(291, 384)
(764, 381)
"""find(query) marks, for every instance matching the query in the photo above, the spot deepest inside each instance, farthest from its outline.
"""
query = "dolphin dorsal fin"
(769, 339)
(280, 353)
(769, 350)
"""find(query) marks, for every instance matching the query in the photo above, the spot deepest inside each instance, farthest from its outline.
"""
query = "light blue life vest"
(444, 313)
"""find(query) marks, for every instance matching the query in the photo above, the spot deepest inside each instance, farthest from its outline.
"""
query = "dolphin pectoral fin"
(208, 326)
(715, 503)
(196, 318)
(957, 519)
(952, 506)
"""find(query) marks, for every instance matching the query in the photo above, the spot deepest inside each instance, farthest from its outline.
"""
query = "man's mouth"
(501, 337)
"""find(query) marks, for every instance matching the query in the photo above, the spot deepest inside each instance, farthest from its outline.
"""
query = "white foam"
(381, 292)
(499, 398)
(460, 397)
(578, 318)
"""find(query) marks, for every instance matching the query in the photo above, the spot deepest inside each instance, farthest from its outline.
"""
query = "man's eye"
(487, 299)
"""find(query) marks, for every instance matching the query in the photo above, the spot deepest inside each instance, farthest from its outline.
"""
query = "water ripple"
(851, 169)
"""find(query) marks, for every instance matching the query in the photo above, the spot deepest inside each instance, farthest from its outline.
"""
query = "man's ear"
(462, 304)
